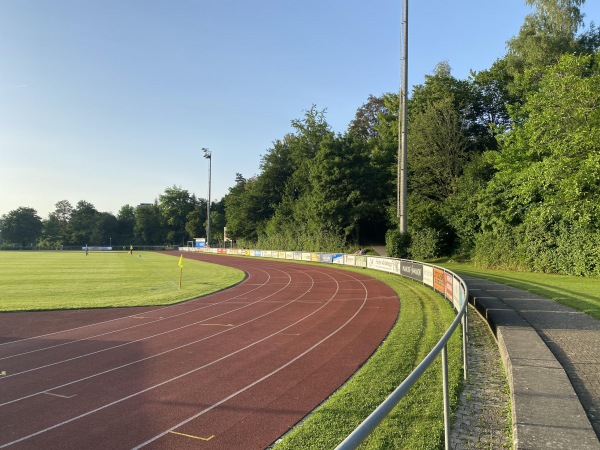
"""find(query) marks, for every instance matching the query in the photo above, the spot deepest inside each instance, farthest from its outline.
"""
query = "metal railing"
(370, 423)
(439, 279)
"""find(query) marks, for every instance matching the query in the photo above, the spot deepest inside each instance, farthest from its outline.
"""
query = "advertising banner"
(349, 260)
(405, 268)
(456, 293)
(338, 258)
(360, 261)
(439, 279)
(305, 256)
(449, 283)
(428, 275)
(383, 264)
(325, 257)
(297, 256)
(416, 271)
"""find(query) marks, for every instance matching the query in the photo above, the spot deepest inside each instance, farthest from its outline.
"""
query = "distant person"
(131, 249)
(86, 249)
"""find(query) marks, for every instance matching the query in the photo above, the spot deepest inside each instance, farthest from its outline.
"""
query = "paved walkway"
(483, 418)
(552, 358)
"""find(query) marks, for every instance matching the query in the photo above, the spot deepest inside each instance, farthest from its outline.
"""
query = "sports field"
(66, 280)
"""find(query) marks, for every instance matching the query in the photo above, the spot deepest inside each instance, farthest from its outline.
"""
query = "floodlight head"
(207, 153)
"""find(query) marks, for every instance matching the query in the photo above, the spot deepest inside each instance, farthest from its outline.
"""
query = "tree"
(341, 194)
(541, 210)
(56, 228)
(175, 205)
(195, 225)
(438, 150)
(367, 118)
(52, 233)
(125, 225)
(240, 212)
(105, 228)
(21, 226)
(546, 35)
(148, 229)
(82, 223)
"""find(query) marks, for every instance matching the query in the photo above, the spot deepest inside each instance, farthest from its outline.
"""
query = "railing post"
(465, 329)
(446, 397)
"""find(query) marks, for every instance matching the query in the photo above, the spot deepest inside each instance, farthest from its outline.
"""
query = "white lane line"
(235, 394)
(246, 305)
(127, 317)
(152, 356)
(198, 369)
(127, 328)
(151, 387)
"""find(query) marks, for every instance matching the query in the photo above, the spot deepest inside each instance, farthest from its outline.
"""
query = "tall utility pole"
(403, 126)
(208, 155)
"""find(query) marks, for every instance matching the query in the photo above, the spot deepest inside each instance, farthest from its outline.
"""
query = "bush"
(396, 243)
(425, 244)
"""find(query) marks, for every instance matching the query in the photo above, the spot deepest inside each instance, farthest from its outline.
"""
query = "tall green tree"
(241, 211)
(82, 223)
(547, 34)
(175, 204)
(341, 188)
(541, 210)
(148, 228)
(438, 150)
(195, 225)
(105, 229)
(21, 226)
(52, 233)
(125, 226)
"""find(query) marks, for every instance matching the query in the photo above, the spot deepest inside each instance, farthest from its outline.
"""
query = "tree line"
(503, 167)
(174, 217)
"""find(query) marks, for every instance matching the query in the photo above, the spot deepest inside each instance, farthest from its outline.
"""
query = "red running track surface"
(232, 370)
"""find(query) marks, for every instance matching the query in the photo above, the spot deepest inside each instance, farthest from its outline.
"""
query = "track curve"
(235, 369)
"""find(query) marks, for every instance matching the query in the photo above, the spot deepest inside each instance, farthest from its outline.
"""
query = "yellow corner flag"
(180, 269)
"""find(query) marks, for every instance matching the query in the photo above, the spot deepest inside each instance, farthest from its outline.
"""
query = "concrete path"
(552, 358)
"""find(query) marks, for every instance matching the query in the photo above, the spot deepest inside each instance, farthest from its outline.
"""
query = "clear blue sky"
(111, 101)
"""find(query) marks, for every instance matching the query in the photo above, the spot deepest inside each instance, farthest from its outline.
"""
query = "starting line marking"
(61, 396)
(217, 324)
(192, 436)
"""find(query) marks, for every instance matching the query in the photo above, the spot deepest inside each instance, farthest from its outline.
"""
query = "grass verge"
(417, 421)
(579, 293)
(67, 280)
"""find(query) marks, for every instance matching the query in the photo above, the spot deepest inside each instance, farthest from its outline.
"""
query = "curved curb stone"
(547, 413)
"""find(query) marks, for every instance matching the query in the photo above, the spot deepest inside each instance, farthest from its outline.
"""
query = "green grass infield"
(31, 281)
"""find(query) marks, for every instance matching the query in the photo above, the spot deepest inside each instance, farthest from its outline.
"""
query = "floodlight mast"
(403, 128)
(208, 155)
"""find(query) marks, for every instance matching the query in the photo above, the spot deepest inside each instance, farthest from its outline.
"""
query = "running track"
(232, 370)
